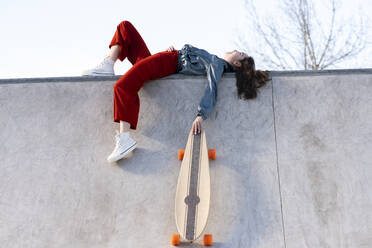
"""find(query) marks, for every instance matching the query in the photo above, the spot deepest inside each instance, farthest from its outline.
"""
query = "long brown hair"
(248, 80)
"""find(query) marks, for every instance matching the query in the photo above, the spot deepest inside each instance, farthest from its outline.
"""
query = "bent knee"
(125, 23)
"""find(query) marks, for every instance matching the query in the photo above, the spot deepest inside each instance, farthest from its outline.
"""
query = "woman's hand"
(197, 125)
(171, 49)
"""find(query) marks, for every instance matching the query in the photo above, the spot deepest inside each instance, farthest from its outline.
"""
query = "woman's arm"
(208, 102)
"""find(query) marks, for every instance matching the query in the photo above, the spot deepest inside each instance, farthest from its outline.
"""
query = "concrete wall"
(293, 167)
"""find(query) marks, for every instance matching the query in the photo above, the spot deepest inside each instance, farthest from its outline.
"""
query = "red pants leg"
(145, 68)
(130, 42)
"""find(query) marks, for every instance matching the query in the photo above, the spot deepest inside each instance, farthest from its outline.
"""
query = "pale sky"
(46, 38)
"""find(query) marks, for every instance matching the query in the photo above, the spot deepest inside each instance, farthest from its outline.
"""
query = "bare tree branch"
(303, 42)
(330, 36)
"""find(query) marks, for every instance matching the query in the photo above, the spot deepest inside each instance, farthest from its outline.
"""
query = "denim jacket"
(195, 61)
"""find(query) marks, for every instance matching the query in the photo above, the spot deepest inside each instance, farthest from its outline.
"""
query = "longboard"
(193, 190)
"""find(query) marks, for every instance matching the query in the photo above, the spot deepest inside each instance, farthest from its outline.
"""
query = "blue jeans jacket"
(195, 61)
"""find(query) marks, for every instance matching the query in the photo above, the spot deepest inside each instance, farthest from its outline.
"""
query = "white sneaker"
(106, 68)
(124, 145)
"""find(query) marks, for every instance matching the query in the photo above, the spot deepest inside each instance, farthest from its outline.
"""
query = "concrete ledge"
(182, 77)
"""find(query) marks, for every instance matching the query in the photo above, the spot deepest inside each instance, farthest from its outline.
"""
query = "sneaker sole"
(122, 155)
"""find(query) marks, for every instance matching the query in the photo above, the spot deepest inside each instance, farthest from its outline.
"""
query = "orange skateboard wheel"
(176, 239)
(181, 152)
(208, 240)
(212, 154)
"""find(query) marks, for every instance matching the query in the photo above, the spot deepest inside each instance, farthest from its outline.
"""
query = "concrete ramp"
(293, 167)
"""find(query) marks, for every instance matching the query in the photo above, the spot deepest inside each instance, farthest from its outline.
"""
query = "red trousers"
(145, 67)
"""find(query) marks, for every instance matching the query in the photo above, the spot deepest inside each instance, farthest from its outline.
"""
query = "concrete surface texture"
(293, 166)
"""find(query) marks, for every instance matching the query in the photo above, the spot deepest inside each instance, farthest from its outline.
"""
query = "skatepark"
(293, 167)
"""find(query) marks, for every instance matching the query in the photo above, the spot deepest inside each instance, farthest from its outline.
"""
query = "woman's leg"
(124, 126)
(127, 43)
(114, 53)
(131, 44)
(145, 67)
(126, 100)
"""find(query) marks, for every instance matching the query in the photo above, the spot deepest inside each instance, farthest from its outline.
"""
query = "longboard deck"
(193, 188)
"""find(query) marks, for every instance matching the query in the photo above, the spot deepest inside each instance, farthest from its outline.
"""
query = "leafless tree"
(296, 38)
